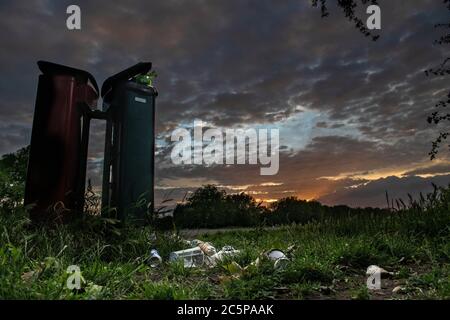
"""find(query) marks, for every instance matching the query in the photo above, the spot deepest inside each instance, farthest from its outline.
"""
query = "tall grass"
(330, 257)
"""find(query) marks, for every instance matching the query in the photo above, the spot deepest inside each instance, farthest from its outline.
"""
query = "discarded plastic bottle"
(226, 252)
(193, 257)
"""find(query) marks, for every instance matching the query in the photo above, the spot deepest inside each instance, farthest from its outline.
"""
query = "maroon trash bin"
(57, 162)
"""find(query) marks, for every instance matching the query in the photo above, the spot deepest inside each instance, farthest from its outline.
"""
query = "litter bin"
(128, 175)
(57, 161)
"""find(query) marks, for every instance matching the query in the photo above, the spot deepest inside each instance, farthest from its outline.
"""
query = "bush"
(210, 207)
(13, 170)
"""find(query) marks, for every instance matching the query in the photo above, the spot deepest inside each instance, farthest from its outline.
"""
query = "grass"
(329, 260)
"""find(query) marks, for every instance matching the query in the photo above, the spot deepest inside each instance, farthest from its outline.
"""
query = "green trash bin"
(128, 176)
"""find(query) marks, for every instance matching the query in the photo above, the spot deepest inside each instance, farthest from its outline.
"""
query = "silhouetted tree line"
(209, 207)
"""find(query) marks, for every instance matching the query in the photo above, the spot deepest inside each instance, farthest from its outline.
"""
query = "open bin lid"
(125, 75)
(54, 68)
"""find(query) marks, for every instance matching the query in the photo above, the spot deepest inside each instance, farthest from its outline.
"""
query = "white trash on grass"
(279, 257)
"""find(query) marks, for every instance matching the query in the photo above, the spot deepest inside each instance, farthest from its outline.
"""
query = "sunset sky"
(351, 112)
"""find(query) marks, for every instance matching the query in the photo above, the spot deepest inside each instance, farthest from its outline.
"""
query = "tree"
(291, 209)
(442, 70)
(243, 209)
(13, 171)
(209, 207)
(204, 208)
(349, 8)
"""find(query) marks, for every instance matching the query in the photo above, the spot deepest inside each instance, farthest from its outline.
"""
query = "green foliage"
(147, 79)
(362, 293)
(163, 291)
(13, 170)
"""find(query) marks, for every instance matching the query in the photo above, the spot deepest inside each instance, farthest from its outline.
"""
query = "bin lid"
(54, 68)
(125, 75)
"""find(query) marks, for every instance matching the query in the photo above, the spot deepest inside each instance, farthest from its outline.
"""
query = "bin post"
(84, 154)
(106, 186)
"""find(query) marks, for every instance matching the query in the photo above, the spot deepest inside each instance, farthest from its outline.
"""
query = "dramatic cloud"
(351, 112)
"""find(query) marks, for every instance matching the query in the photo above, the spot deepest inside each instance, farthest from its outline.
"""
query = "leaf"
(233, 268)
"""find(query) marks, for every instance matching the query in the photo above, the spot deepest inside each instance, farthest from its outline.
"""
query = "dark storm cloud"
(238, 63)
(13, 135)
